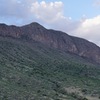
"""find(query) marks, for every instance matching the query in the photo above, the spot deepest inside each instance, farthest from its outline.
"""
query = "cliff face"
(52, 38)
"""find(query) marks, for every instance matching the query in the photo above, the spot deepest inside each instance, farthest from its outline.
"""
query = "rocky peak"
(34, 25)
(54, 39)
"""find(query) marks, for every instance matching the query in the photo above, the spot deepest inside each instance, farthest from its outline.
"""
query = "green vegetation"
(32, 71)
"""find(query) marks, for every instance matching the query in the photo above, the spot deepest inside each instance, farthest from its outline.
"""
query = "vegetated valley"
(40, 64)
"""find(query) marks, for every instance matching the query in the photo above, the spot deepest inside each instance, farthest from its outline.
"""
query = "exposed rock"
(52, 38)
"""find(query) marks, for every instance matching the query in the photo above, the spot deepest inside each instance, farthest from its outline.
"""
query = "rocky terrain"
(52, 38)
(43, 64)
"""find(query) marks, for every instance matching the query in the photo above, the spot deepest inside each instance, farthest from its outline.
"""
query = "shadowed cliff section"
(54, 39)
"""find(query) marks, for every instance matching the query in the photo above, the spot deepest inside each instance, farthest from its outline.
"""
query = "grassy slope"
(31, 71)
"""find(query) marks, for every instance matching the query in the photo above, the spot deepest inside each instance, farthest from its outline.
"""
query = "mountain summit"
(42, 64)
(55, 39)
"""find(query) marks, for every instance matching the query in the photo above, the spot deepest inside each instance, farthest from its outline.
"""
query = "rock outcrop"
(54, 39)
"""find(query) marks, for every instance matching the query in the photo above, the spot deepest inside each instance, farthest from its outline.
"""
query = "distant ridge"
(54, 39)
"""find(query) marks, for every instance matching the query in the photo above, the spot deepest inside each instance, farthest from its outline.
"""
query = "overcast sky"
(76, 17)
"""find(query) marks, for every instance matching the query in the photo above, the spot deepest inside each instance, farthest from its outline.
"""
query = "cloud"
(16, 11)
(26, 11)
(89, 29)
(48, 12)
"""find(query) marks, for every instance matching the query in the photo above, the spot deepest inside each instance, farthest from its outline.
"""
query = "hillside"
(52, 38)
(41, 64)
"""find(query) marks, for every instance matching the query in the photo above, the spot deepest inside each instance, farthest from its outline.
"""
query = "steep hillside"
(52, 38)
(34, 66)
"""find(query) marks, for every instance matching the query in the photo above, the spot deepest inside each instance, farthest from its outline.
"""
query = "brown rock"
(52, 38)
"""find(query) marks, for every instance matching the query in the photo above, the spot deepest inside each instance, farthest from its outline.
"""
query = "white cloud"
(89, 29)
(26, 11)
(48, 12)
(16, 11)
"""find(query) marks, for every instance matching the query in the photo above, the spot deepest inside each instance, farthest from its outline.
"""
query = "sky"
(79, 18)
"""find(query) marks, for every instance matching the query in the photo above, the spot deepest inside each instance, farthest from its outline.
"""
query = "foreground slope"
(33, 70)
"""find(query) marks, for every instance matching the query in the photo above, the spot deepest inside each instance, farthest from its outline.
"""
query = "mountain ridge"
(53, 38)
(41, 64)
